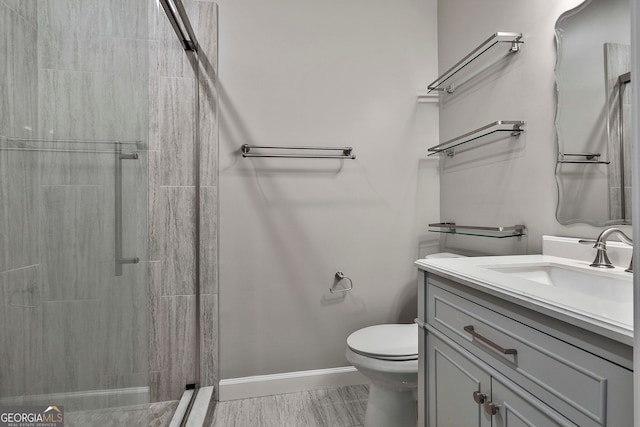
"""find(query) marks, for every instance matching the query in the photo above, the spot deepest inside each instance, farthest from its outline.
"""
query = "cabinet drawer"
(565, 377)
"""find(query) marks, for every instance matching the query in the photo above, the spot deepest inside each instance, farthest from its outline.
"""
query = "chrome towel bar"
(346, 152)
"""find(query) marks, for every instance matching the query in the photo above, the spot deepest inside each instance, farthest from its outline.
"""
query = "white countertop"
(610, 317)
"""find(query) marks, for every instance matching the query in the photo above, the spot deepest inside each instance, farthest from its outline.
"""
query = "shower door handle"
(120, 260)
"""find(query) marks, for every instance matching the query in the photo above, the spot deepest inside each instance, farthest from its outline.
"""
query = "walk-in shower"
(76, 231)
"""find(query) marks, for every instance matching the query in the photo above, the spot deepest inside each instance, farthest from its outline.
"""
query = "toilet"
(388, 356)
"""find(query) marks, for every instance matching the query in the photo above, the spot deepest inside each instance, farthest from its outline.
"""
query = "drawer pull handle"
(490, 408)
(471, 330)
(479, 397)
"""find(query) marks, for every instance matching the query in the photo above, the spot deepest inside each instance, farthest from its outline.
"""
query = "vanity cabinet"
(480, 399)
(489, 362)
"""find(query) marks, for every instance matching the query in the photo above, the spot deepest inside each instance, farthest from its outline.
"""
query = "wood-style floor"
(338, 407)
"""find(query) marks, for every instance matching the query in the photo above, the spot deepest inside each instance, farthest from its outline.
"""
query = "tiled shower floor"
(338, 407)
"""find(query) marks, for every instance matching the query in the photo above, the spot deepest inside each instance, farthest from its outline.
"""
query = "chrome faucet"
(602, 259)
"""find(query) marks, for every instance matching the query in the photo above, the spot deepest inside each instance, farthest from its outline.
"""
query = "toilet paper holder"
(339, 277)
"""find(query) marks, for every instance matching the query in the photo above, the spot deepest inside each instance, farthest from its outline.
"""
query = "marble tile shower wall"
(172, 130)
(20, 348)
(92, 85)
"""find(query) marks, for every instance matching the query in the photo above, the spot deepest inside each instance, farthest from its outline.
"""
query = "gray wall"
(512, 181)
(330, 74)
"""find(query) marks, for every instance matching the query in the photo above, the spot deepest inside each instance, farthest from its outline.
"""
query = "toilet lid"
(386, 341)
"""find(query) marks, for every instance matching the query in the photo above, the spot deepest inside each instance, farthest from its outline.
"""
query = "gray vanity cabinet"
(480, 400)
(487, 362)
(512, 410)
(455, 378)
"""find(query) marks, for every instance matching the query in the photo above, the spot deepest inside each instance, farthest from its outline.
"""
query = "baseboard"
(289, 382)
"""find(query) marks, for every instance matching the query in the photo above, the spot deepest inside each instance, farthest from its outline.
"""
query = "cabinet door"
(452, 380)
(512, 410)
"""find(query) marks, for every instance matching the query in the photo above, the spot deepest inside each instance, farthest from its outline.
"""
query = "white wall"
(510, 181)
(329, 73)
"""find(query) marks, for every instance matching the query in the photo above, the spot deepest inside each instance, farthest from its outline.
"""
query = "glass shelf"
(515, 127)
(577, 158)
(472, 230)
(514, 39)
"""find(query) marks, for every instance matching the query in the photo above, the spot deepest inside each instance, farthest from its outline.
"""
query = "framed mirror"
(593, 113)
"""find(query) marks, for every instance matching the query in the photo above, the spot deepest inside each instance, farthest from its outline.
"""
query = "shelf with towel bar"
(513, 39)
(473, 230)
(588, 158)
(514, 127)
(304, 152)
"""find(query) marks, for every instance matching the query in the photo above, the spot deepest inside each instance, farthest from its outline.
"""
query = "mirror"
(593, 116)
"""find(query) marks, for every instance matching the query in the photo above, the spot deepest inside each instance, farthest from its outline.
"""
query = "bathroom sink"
(601, 284)
(569, 289)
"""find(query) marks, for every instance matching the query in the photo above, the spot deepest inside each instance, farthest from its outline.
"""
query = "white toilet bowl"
(388, 356)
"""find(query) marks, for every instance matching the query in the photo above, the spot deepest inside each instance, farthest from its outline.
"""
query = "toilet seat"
(393, 342)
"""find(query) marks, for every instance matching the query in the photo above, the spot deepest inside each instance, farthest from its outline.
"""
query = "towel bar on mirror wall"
(346, 152)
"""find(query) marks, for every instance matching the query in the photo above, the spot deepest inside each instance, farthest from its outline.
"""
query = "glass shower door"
(73, 208)
(75, 319)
